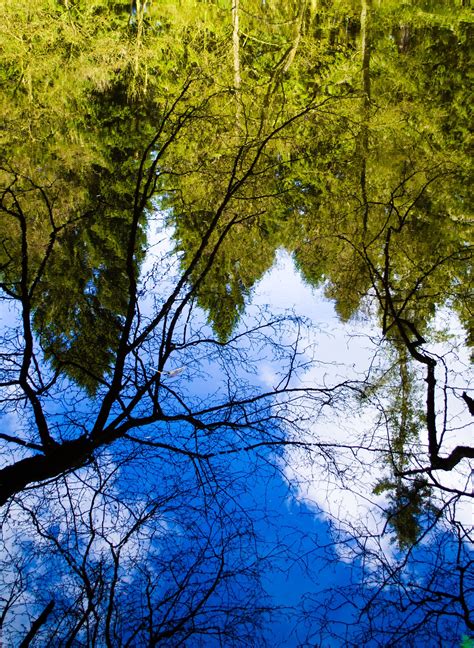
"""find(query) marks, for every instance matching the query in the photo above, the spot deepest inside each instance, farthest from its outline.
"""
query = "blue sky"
(303, 496)
(296, 513)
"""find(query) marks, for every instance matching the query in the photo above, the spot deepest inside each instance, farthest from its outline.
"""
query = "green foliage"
(86, 83)
(408, 504)
(74, 139)
(346, 175)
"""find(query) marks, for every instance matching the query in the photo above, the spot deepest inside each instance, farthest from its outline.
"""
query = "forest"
(237, 323)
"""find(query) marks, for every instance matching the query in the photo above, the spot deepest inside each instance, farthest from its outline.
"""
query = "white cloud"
(347, 351)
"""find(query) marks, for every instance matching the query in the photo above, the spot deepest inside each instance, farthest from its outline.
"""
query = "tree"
(78, 406)
(142, 430)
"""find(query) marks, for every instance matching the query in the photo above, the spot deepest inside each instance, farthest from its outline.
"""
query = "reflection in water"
(334, 134)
